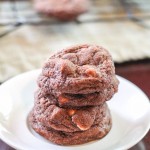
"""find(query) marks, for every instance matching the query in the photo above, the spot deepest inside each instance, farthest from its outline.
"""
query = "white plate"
(130, 110)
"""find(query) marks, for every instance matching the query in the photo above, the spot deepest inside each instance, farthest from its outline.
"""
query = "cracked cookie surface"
(66, 100)
(101, 127)
(68, 120)
(78, 70)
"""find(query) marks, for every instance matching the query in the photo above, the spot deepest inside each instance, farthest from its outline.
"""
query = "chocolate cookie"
(69, 106)
(79, 100)
(78, 70)
(96, 131)
(68, 120)
(62, 9)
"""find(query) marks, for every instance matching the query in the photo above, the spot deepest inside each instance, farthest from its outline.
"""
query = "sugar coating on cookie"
(101, 127)
(67, 100)
(67, 119)
(70, 102)
(78, 70)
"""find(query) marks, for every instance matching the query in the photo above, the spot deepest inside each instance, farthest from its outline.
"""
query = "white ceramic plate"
(130, 110)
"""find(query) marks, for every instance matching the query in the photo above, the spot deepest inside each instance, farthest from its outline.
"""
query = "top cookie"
(78, 70)
(62, 9)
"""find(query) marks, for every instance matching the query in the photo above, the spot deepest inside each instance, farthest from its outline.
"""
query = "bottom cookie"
(97, 131)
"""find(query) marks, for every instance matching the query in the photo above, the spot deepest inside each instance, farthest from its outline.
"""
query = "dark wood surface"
(137, 72)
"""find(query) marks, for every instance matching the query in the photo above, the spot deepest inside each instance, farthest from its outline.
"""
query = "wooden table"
(139, 73)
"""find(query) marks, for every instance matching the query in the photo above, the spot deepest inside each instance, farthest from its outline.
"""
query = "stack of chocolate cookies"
(70, 104)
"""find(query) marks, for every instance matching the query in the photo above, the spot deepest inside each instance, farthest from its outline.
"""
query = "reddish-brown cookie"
(78, 70)
(62, 9)
(96, 131)
(70, 103)
(68, 120)
(79, 100)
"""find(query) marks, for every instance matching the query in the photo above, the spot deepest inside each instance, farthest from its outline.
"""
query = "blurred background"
(28, 37)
